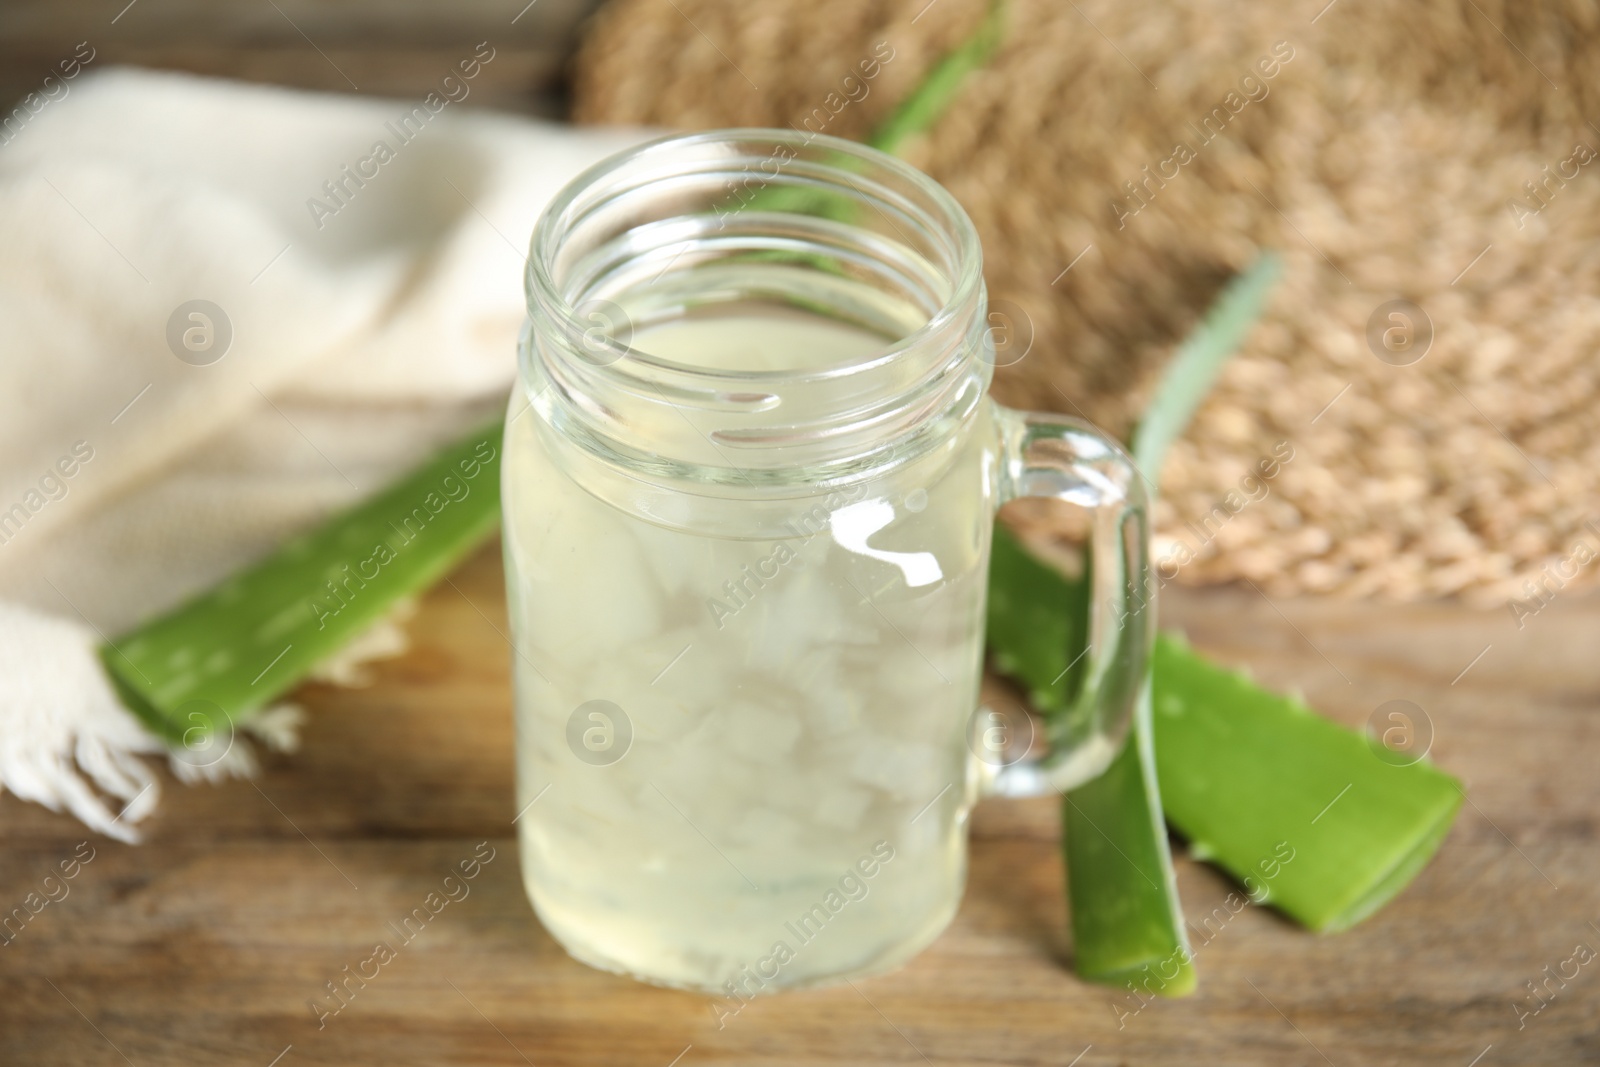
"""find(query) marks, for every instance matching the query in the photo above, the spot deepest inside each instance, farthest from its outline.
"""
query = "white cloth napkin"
(365, 332)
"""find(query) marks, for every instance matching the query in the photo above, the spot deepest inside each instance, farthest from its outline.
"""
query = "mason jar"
(750, 479)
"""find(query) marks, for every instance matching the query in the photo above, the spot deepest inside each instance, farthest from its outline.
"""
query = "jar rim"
(542, 290)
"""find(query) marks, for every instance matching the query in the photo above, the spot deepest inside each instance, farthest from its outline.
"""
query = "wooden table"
(204, 945)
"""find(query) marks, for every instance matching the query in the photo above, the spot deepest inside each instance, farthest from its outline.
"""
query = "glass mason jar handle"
(1064, 458)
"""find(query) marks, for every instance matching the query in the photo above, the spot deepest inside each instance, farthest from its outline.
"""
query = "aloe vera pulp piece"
(1251, 777)
(214, 660)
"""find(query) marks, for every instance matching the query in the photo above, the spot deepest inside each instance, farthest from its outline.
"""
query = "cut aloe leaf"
(1321, 822)
(1127, 924)
(213, 661)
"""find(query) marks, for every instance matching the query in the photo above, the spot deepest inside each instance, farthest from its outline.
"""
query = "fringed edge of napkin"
(68, 743)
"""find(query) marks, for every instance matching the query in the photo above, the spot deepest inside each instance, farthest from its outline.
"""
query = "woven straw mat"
(1437, 153)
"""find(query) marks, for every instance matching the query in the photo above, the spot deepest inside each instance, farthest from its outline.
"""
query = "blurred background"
(1429, 358)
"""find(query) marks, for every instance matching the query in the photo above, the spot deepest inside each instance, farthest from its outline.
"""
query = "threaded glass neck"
(762, 223)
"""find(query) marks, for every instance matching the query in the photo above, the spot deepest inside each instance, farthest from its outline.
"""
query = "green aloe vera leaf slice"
(1127, 928)
(1252, 777)
(214, 660)
(1127, 923)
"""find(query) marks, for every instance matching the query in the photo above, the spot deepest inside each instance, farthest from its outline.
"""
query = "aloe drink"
(748, 752)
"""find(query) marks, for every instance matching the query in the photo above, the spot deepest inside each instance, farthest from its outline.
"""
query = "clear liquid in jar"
(789, 801)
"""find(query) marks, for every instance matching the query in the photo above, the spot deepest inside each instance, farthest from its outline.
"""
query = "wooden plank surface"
(204, 945)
